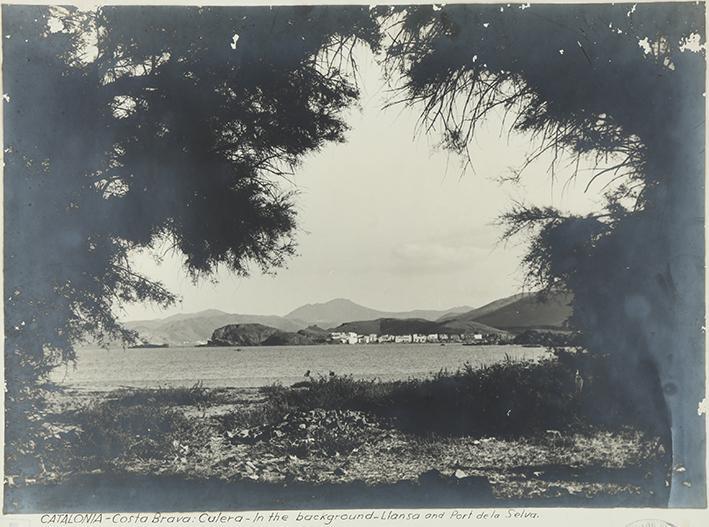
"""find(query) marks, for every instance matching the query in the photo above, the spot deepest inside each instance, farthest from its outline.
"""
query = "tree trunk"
(688, 483)
(679, 344)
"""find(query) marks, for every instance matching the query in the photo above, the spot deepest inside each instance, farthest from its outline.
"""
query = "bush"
(506, 399)
(503, 399)
(113, 430)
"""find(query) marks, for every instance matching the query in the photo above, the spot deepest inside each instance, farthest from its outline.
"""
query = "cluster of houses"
(414, 338)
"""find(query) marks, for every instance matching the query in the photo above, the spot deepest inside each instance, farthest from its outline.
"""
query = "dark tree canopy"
(171, 132)
(616, 82)
(177, 129)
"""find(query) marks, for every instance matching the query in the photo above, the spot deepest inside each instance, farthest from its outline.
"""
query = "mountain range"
(511, 314)
(340, 310)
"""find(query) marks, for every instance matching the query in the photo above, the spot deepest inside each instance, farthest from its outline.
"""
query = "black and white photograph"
(353, 257)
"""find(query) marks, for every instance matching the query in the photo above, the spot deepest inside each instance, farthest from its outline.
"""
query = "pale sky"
(387, 220)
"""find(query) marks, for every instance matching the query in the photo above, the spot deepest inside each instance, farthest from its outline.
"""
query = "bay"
(101, 370)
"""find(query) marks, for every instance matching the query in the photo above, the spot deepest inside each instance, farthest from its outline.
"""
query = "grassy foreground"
(511, 432)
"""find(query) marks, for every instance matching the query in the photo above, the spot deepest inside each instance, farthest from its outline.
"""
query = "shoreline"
(202, 345)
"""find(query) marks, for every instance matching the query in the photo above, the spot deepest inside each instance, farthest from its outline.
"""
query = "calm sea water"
(98, 369)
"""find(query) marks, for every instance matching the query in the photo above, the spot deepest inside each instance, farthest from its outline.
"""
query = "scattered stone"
(459, 474)
(314, 432)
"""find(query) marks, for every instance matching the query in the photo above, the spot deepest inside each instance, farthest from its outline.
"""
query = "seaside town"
(414, 338)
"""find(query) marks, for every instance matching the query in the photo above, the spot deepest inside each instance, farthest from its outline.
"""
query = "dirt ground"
(343, 448)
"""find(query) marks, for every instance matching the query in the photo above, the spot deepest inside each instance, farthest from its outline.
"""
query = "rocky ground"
(347, 447)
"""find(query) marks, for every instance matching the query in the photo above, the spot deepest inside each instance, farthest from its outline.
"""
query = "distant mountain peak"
(335, 309)
(339, 300)
(340, 310)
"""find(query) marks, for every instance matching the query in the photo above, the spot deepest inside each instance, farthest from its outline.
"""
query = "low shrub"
(112, 430)
(505, 399)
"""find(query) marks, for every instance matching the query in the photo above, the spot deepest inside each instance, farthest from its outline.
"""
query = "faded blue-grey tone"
(180, 123)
